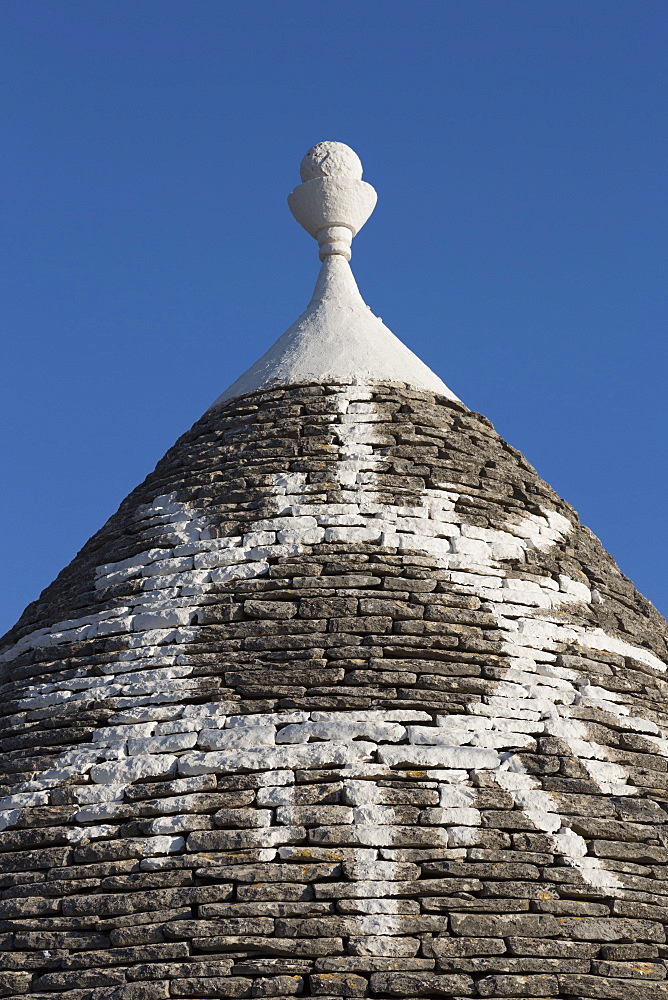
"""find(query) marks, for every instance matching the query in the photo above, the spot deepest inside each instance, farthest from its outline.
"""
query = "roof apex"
(337, 338)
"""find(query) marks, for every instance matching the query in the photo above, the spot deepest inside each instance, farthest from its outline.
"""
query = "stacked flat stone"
(343, 702)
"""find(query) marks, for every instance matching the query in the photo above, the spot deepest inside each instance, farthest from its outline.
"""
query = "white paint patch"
(535, 697)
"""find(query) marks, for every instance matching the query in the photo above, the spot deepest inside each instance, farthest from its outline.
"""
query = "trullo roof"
(342, 702)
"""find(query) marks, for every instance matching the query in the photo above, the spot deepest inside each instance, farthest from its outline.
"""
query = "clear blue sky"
(519, 244)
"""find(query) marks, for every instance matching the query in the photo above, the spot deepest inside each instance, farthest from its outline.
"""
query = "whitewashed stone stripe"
(534, 698)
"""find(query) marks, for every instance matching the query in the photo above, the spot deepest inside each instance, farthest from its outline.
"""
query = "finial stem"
(335, 240)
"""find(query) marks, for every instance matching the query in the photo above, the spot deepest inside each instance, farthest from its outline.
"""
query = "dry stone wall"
(343, 701)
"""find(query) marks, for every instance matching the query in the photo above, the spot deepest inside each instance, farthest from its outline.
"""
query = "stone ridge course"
(343, 702)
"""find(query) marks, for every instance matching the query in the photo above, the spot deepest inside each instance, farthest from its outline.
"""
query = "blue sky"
(519, 244)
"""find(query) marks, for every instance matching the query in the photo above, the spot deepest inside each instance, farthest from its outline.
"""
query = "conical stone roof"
(343, 701)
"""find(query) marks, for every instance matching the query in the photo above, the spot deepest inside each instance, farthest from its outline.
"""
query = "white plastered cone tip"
(337, 339)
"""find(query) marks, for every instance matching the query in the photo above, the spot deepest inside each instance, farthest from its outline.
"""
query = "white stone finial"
(333, 202)
(337, 339)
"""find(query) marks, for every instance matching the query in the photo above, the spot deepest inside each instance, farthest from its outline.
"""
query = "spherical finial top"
(331, 159)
